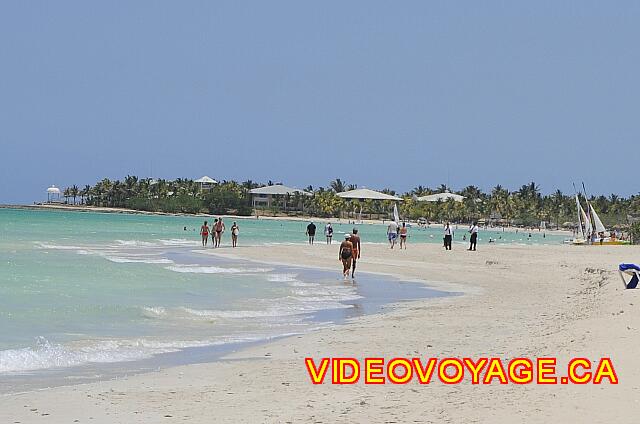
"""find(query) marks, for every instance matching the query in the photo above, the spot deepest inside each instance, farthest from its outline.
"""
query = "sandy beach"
(530, 301)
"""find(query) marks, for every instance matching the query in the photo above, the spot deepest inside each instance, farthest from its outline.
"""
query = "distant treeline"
(526, 206)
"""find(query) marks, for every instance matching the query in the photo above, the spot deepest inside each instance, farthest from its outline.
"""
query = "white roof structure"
(441, 197)
(206, 180)
(278, 190)
(365, 193)
(53, 190)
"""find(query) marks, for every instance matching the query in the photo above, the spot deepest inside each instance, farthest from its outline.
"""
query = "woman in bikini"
(403, 236)
(204, 232)
(235, 230)
(345, 255)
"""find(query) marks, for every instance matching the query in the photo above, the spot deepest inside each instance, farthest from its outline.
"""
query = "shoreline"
(573, 307)
(34, 380)
(124, 211)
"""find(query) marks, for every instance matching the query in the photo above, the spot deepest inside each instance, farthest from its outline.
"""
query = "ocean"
(79, 289)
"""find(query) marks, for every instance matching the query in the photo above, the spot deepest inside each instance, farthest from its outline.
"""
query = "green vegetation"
(525, 206)
(635, 232)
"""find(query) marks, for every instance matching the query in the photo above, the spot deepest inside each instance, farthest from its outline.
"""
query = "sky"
(380, 94)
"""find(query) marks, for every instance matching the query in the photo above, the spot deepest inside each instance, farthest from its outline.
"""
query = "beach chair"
(629, 269)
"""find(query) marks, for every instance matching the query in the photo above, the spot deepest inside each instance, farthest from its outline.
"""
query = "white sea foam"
(136, 243)
(282, 278)
(154, 311)
(122, 260)
(178, 242)
(301, 284)
(45, 355)
(43, 245)
(273, 308)
(198, 269)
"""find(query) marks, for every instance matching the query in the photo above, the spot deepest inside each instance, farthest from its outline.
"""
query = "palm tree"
(74, 191)
(420, 191)
(338, 185)
(443, 188)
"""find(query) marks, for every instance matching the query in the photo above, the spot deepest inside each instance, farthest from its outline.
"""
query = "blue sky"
(382, 94)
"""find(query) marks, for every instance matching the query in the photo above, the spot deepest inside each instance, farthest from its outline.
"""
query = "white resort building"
(265, 196)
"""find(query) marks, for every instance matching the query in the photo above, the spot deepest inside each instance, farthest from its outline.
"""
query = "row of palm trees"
(525, 206)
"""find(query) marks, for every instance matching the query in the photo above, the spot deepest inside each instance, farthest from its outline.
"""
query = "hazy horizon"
(380, 95)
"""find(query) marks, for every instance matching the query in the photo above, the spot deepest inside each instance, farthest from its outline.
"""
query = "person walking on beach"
(474, 236)
(328, 232)
(355, 250)
(204, 232)
(403, 236)
(219, 227)
(448, 236)
(392, 233)
(311, 231)
(345, 255)
(235, 230)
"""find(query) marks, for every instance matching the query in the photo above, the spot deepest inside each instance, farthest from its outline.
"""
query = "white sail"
(588, 229)
(579, 209)
(396, 217)
(597, 223)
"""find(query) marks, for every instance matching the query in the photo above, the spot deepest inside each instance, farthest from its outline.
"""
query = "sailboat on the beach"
(584, 224)
(591, 228)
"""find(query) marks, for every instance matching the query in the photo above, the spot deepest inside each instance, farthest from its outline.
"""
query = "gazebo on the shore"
(206, 183)
(363, 194)
(53, 194)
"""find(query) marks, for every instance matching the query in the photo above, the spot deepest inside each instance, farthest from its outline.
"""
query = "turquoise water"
(84, 288)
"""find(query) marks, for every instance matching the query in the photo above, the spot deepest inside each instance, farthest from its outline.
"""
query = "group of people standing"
(217, 230)
(350, 248)
(449, 233)
(396, 231)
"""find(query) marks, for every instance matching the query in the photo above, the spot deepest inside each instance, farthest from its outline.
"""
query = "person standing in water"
(213, 232)
(328, 232)
(311, 231)
(355, 250)
(345, 255)
(448, 236)
(403, 236)
(219, 227)
(204, 232)
(392, 233)
(235, 230)
(474, 236)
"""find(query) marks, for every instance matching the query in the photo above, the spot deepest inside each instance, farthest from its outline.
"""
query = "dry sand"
(531, 301)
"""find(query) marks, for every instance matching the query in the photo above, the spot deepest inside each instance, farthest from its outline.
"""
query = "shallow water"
(80, 290)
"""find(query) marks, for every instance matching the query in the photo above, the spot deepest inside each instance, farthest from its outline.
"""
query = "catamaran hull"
(581, 242)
